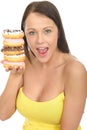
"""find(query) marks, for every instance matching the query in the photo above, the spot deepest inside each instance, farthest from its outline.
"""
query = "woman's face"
(42, 36)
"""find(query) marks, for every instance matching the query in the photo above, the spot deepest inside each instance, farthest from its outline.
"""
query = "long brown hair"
(48, 9)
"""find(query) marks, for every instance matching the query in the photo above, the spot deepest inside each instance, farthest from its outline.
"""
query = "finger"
(14, 69)
(18, 69)
(7, 68)
(21, 69)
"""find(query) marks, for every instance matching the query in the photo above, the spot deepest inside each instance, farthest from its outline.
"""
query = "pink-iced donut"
(13, 42)
(10, 65)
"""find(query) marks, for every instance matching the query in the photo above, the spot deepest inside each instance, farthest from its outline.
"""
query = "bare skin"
(49, 73)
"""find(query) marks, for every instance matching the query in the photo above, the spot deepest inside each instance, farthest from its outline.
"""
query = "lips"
(42, 50)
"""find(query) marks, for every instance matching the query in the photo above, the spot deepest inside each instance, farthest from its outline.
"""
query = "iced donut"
(13, 42)
(13, 47)
(14, 58)
(7, 33)
(10, 65)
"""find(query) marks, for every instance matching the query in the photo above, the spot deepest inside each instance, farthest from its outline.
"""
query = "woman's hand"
(17, 69)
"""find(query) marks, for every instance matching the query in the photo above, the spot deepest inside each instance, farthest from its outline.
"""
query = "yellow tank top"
(40, 115)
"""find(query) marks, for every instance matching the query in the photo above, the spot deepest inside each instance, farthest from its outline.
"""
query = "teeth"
(41, 48)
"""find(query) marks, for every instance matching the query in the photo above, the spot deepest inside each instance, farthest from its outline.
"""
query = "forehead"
(37, 19)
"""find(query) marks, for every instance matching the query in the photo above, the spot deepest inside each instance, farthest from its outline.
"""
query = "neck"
(56, 61)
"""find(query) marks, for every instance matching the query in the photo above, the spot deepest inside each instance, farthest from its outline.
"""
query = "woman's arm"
(75, 96)
(8, 97)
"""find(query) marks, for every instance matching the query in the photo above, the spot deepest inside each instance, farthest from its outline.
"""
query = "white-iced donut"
(7, 33)
(14, 58)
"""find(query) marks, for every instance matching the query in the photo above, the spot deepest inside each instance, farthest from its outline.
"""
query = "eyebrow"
(43, 28)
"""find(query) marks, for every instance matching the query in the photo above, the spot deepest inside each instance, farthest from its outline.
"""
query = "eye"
(48, 31)
(31, 33)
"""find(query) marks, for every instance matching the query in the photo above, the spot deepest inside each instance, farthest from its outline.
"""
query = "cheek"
(54, 40)
(29, 41)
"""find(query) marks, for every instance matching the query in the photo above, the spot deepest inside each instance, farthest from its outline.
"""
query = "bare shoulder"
(75, 67)
(75, 77)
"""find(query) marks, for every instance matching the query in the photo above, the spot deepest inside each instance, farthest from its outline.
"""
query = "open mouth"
(42, 50)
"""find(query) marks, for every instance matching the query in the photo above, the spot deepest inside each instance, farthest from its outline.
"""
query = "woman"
(50, 91)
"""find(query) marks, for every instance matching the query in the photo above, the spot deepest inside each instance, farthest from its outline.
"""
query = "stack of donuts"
(13, 48)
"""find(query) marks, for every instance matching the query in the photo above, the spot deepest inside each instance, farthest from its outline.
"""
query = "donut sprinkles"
(13, 48)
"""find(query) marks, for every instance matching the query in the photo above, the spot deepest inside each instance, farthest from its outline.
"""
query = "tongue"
(42, 51)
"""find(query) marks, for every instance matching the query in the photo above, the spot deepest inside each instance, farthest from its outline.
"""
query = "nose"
(40, 38)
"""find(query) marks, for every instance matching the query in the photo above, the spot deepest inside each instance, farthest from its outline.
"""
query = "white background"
(74, 16)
